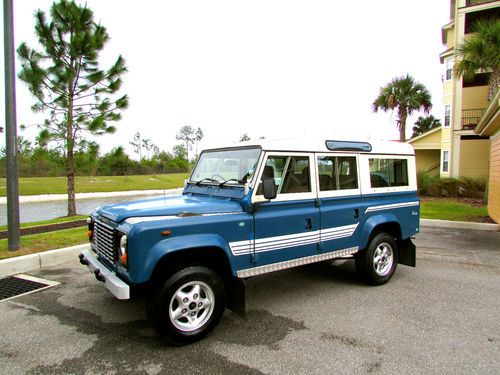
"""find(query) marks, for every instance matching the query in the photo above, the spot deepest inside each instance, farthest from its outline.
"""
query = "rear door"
(287, 227)
(339, 194)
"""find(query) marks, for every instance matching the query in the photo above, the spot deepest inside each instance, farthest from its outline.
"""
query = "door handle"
(309, 223)
(356, 213)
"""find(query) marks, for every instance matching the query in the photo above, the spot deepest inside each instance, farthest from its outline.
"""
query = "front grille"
(104, 241)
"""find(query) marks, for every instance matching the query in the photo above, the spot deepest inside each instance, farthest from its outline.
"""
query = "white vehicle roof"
(307, 144)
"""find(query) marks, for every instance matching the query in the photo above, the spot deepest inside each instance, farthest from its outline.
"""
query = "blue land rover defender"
(254, 209)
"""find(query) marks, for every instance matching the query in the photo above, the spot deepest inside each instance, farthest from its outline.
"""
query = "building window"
(447, 115)
(446, 155)
(449, 68)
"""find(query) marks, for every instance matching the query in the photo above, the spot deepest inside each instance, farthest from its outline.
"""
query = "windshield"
(233, 166)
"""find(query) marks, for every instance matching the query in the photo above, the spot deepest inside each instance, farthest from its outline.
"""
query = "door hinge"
(317, 202)
(320, 246)
(255, 258)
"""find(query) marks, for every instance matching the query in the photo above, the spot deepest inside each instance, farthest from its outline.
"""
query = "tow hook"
(99, 276)
(83, 261)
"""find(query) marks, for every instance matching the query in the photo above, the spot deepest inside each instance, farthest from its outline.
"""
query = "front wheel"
(378, 262)
(189, 305)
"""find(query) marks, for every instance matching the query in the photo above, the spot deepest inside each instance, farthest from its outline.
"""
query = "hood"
(171, 205)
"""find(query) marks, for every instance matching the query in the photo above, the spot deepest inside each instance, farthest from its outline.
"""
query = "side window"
(337, 173)
(388, 172)
(291, 174)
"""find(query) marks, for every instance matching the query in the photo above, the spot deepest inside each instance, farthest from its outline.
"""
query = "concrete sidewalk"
(35, 262)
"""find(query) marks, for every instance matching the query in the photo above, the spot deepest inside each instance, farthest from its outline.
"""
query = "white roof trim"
(317, 144)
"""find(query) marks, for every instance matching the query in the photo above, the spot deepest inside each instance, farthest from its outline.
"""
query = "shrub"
(465, 187)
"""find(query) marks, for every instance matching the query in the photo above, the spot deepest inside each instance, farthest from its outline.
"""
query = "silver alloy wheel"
(191, 306)
(383, 258)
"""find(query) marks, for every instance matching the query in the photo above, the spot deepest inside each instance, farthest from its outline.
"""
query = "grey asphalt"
(441, 317)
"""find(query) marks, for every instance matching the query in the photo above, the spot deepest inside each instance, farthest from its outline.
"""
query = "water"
(37, 211)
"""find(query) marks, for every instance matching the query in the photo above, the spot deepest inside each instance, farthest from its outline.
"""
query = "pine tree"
(67, 82)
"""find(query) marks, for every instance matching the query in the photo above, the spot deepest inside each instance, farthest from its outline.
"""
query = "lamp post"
(11, 128)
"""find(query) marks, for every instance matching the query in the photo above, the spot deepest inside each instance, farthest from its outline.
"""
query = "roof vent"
(348, 146)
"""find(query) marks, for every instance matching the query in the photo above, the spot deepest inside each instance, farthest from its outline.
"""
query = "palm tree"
(424, 124)
(480, 52)
(406, 95)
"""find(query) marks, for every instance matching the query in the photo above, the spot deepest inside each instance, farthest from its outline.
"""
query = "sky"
(268, 68)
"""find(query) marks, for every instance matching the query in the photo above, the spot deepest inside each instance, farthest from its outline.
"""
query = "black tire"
(188, 306)
(377, 263)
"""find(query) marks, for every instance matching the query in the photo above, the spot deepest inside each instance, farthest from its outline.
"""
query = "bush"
(463, 187)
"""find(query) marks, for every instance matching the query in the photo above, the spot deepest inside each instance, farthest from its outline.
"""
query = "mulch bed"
(48, 228)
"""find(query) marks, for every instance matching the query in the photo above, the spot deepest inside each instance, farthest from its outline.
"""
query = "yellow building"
(468, 143)
(463, 151)
(489, 126)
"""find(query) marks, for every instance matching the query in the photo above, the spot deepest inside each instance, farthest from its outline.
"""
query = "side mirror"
(269, 188)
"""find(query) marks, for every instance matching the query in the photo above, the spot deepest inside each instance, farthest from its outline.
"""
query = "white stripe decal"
(391, 206)
(291, 240)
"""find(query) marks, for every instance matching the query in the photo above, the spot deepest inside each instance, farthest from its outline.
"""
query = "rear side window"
(388, 172)
(337, 173)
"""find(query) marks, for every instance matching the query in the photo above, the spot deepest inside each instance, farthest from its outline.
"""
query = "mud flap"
(236, 296)
(407, 253)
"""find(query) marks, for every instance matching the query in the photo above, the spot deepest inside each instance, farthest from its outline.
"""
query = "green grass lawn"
(91, 184)
(451, 209)
(36, 243)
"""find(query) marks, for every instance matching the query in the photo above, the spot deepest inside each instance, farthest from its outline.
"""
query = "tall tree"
(66, 80)
(189, 136)
(148, 145)
(424, 124)
(480, 52)
(136, 144)
(405, 95)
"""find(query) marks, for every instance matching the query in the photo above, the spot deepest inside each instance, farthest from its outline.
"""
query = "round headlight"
(123, 244)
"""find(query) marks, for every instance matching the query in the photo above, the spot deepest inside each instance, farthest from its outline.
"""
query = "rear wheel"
(188, 306)
(378, 262)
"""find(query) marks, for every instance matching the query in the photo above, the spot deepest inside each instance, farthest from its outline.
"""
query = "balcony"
(471, 117)
(472, 17)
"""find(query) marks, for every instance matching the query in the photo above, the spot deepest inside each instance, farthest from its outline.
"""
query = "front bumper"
(115, 285)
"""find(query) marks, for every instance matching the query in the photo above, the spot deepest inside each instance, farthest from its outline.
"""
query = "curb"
(459, 225)
(35, 262)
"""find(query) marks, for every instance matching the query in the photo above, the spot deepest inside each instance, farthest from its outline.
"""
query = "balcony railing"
(470, 118)
(477, 2)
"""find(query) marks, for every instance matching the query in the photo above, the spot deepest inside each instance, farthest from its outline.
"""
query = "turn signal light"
(123, 260)
(90, 233)
(166, 232)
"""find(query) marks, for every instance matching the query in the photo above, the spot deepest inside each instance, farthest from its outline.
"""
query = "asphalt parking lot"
(441, 317)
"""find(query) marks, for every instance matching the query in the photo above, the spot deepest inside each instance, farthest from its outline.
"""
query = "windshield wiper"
(230, 180)
(206, 179)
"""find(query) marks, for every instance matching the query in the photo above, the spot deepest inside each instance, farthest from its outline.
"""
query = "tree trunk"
(70, 156)
(402, 124)
(71, 178)
(494, 84)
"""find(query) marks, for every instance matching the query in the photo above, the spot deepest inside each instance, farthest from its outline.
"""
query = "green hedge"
(465, 187)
